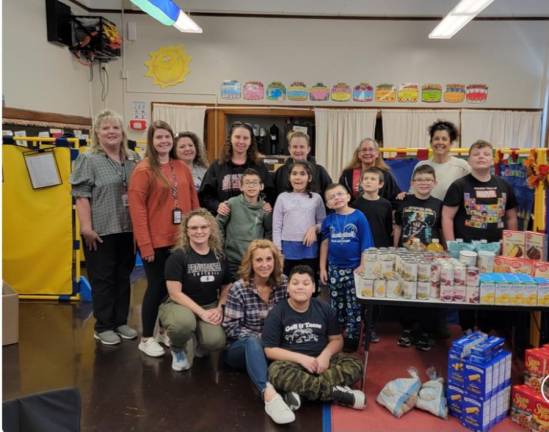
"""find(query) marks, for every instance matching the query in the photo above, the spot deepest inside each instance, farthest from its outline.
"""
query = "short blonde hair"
(103, 116)
(298, 134)
(214, 241)
(246, 271)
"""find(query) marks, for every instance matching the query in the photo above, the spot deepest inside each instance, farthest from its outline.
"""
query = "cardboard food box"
(541, 269)
(10, 315)
(535, 245)
(513, 244)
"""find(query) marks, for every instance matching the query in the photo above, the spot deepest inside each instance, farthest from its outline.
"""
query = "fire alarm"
(138, 124)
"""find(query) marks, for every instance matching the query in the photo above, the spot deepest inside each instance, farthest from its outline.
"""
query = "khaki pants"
(181, 324)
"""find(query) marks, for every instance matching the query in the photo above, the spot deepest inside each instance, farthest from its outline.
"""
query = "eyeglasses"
(251, 183)
(337, 195)
(198, 227)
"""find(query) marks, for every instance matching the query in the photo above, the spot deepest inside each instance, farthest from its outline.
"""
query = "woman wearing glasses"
(190, 150)
(161, 191)
(222, 179)
(198, 280)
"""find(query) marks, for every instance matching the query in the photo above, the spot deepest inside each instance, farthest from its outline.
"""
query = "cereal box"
(535, 245)
(487, 289)
(454, 397)
(476, 414)
(513, 243)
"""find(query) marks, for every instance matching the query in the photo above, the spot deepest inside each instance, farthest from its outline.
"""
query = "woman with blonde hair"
(190, 150)
(161, 191)
(365, 156)
(100, 185)
(261, 286)
(197, 278)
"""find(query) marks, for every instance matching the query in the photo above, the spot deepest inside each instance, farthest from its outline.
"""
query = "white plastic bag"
(431, 396)
(399, 395)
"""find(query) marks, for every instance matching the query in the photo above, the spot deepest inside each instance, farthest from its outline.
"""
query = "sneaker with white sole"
(293, 400)
(161, 335)
(345, 396)
(107, 337)
(126, 332)
(151, 347)
(179, 361)
(278, 411)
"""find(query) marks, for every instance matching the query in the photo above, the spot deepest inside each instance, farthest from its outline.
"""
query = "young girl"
(297, 218)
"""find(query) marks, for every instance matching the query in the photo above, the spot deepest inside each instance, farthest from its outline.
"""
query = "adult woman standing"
(161, 192)
(198, 278)
(100, 185)
(365, 156)
(190, 150)
(222, 179)
(447, 167)
(250, 299)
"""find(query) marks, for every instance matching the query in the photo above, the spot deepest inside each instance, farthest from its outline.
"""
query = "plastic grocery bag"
(399, 395)
(431, 396)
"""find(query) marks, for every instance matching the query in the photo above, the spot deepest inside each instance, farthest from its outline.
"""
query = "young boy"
(301, 335)
(247, 220)
(418, 216)
(345, 235)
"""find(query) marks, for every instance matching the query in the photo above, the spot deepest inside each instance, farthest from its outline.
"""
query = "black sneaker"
(405, 339)
(345, 396)
(374, 338)
(293, 400)
(424, 343)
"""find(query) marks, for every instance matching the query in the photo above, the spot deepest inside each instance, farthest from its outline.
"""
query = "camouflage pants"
(288, 376)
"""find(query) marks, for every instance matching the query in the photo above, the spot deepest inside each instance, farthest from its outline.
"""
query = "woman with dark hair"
(260, 287)
(365, 156)
(222, 179)
(190, 150)
(161, 191)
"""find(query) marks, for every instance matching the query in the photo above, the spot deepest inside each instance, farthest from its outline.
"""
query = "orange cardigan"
(151, 204)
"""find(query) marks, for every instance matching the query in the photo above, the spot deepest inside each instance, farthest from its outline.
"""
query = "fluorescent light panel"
(458, 17)
(185, 24)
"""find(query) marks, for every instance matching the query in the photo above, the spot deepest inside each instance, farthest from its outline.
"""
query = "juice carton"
(513, 243)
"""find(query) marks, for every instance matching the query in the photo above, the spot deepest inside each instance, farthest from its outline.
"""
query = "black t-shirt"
(201, 276)
(305, 333)
(380, 217)
(482, 207)
(418, 218)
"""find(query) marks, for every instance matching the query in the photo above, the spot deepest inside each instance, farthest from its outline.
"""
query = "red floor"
(388, 361)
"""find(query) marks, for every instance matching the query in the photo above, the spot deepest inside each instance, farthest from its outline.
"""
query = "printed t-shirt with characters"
(348, 236)
(418, 218)
(303, 332)
(481, 207)
(201, 276)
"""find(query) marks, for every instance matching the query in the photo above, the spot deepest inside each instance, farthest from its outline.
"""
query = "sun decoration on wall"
(168, 65)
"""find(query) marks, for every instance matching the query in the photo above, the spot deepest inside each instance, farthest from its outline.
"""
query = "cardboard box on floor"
(10, 315)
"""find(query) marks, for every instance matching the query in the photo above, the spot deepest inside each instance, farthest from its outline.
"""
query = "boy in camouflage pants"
(302, 337)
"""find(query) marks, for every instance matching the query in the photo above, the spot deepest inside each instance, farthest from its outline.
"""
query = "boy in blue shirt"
(345, 235)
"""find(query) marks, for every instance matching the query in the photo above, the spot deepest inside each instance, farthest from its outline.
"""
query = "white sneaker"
(279, 412)
(179, 361)
(344, 395)
(163, 338)
(151, 347)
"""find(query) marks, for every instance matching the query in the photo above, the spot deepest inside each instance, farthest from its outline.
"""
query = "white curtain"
(181, 117)
(515, 129)
(409, 128)
(338, 132)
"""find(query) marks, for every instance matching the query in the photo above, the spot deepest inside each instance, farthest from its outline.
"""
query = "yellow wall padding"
(37, 227)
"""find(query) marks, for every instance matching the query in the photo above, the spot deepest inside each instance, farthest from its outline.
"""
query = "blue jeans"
(247, 353)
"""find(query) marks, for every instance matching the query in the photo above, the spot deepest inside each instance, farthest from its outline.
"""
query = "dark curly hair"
(442, 125)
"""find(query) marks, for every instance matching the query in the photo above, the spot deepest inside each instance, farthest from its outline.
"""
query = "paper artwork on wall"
(297, 91)
(319, 92)
(341, 92)
(230, 90)
(477, 93)
(408, 92)
(253, 90)
(276, 91)
(168, 65)
(455, 93)
(363, 92)
(431, 93)
(385, 93)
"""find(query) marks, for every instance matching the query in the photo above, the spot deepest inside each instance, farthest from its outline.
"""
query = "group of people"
(216, 281)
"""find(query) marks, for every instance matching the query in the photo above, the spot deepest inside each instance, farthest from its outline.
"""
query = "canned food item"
(459, 293)
(472, 294)
(364, 287)
(446, 293)
(409, 289)
(446, 276)
(468, 258)
(460, 275)
(372, 269)
(423, 271)
(473, 275)
(379, 288)
(392, 288)
(435, 272)
(486, 261)
(386, 268)
(434, 292)
(423, 290)
(370, 256)
(409, 270)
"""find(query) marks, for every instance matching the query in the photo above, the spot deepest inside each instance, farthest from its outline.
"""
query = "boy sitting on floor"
(302, 337)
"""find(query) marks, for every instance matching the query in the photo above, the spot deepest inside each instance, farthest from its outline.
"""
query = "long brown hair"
(356, 163)
(246, 271)
(200, 156)
(151, 154)
(214, 241)
(252, 154)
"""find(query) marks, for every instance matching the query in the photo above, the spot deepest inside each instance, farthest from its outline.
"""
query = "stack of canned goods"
(422, 275)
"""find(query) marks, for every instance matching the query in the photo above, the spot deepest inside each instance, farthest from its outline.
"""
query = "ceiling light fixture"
(458, 18)
(169, 14)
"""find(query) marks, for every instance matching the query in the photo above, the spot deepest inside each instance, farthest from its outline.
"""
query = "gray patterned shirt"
(104, 182)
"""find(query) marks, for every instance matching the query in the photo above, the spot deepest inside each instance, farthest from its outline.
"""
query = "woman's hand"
(310, 236)
(309, 363)
(401, 196)
(223, 209)
(267, 207)
(91, 238)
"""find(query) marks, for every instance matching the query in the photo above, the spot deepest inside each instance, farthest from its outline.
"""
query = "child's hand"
(309, 363)
(401, 196)
(323, 361)
(310, 236)
(323, 276)
(223, 209)
(267, 208)
(359, 269)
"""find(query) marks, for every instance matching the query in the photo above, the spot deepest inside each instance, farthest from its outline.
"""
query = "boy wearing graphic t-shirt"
(302, 337)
